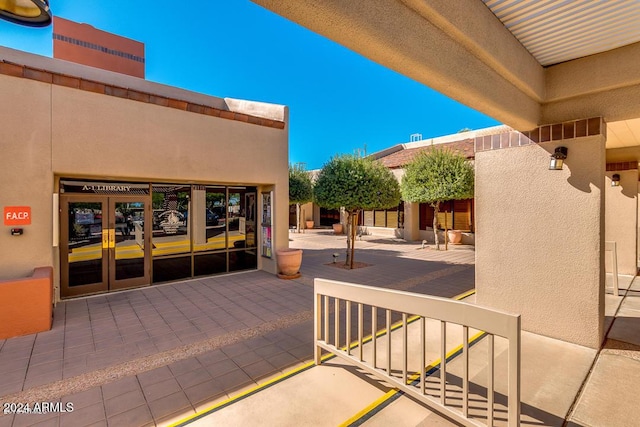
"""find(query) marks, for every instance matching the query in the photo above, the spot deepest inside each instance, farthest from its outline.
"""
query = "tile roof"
(402, 157)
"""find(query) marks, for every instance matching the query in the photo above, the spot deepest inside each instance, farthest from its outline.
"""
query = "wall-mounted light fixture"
(557, 158)
(32, 13)
(615, 180)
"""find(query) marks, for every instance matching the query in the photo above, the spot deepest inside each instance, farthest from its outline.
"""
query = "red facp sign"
(17, 215)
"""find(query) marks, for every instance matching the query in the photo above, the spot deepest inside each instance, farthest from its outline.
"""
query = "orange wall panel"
(26, 304)
(84, 44)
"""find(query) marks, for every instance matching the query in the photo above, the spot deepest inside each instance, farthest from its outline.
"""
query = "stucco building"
(117, 182)
(86, 45)
(559, 81)
(414, 221)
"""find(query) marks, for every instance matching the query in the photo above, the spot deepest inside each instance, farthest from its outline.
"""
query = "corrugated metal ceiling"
(555, 31)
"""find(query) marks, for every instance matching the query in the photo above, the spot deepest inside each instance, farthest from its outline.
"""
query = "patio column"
(540, 232)
(411, 221)
(621, 216)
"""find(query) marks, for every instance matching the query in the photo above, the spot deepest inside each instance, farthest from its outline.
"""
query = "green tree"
(300, 189)
(436, 176)
(355, 183)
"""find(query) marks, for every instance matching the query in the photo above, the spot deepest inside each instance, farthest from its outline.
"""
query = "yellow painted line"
(310, 365)
(250, 391)
(394, 392)
(464, 295)
(372, 406)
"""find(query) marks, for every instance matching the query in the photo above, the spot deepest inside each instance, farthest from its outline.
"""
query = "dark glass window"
(201, 230)
(458, 213)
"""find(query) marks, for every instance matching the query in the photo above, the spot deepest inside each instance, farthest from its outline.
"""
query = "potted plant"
(337, 228)
(289, 261)
(309, 224)
(455, 236)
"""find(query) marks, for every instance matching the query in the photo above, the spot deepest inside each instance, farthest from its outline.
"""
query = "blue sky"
(339, 101)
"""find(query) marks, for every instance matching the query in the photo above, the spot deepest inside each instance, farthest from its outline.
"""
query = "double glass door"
(104, 243)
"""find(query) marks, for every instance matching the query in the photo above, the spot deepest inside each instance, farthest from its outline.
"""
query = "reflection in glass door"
(128, 255)
(102, 245)
(84, 245)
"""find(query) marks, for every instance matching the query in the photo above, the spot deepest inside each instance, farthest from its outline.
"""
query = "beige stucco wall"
(25, 174)
(51, 131)
(621, 220)
(540, 237)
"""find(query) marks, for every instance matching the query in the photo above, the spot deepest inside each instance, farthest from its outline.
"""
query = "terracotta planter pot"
(337, 228)
(309, 224)
(455, 236)
(289, 261)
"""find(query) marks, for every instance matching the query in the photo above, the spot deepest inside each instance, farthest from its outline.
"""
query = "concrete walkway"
(155, 355)
(561, 383)
(611, 394)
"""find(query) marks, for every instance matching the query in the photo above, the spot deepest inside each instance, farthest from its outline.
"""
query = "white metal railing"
(331, 295)
(612, 248)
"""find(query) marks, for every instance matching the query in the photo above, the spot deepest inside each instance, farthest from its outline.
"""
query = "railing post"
(443, 362)
(514, 376)
(490, 379)
(348, 326)
(405, 345)
(360, 330)
(336, 323)
(465, 371)
(374, 334)
(317, 311)
(612, 247)
(388, 319)
(423, 361)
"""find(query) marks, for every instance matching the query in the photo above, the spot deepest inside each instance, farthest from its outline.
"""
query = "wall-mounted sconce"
(615, 180)
(557, 158)
(32, 13)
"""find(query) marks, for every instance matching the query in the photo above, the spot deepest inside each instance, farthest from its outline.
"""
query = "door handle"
(105, 238)
(112, 238)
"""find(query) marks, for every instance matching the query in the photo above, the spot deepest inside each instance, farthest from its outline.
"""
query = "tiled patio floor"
(149, 356)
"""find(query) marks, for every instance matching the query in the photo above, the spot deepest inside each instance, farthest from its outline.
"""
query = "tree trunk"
(446, 229)
(348, 233)
(436, 207)
(297, 217)
(353, 237)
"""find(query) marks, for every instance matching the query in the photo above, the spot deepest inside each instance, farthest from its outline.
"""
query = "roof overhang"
(515, 70)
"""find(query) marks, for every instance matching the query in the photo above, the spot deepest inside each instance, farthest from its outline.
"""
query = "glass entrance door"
(84, 245)
(104, 244)
(129, 254)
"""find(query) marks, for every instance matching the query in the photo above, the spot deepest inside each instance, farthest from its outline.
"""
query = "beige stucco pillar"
(411, 221)
(540, 232)
(621, 220)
